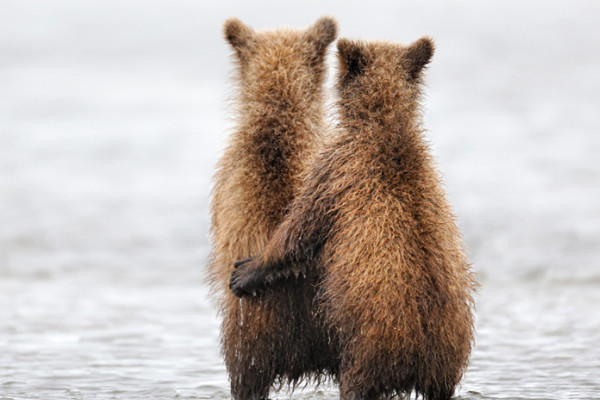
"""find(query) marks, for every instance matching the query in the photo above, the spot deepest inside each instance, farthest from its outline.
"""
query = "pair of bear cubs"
(352, 265)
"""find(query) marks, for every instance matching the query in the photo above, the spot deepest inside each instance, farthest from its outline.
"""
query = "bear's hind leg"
(351, 389)
(436, 392)
(246, 351)
(249, 380)
(249, 384)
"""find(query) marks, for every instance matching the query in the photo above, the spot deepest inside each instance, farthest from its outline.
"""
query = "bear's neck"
(392, 123)
(391, 137)
(282, 121)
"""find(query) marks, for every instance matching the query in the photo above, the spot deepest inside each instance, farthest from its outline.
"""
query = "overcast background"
(113, 113)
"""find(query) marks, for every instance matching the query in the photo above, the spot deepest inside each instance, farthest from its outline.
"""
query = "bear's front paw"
(247, 279)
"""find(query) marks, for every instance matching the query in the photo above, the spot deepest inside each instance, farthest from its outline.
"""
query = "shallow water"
(112, 115)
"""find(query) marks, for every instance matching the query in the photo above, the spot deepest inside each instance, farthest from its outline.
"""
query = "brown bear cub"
(280, 124)
(372, 219)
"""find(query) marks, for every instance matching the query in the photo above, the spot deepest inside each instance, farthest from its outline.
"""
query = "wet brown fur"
(372, 219)
(279, 126)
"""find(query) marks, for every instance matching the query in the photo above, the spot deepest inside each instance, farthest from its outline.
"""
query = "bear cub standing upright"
(372, 221)
(279, 127)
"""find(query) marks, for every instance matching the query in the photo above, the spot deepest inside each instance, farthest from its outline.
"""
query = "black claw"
(237, 292)
(242, 262)
(233, 285)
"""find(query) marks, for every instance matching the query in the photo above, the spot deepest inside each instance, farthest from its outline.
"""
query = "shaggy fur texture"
(372, 220)
(279, 129)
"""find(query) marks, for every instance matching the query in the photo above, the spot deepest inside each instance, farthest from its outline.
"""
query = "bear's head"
(281, 66)
(381, 77)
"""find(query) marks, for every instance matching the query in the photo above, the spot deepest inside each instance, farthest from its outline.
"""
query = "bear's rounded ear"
(418, 56)
(322, 33)
(238, 35)
(352, 57)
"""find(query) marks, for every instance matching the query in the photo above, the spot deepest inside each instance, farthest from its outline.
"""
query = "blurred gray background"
(113, 113)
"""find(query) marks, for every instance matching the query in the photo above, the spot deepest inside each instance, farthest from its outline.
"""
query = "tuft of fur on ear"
(351, 56)
(237, 34)
(322, 33)
(418, 55)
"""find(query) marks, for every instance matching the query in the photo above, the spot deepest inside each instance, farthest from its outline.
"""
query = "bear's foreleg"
(294, 246)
